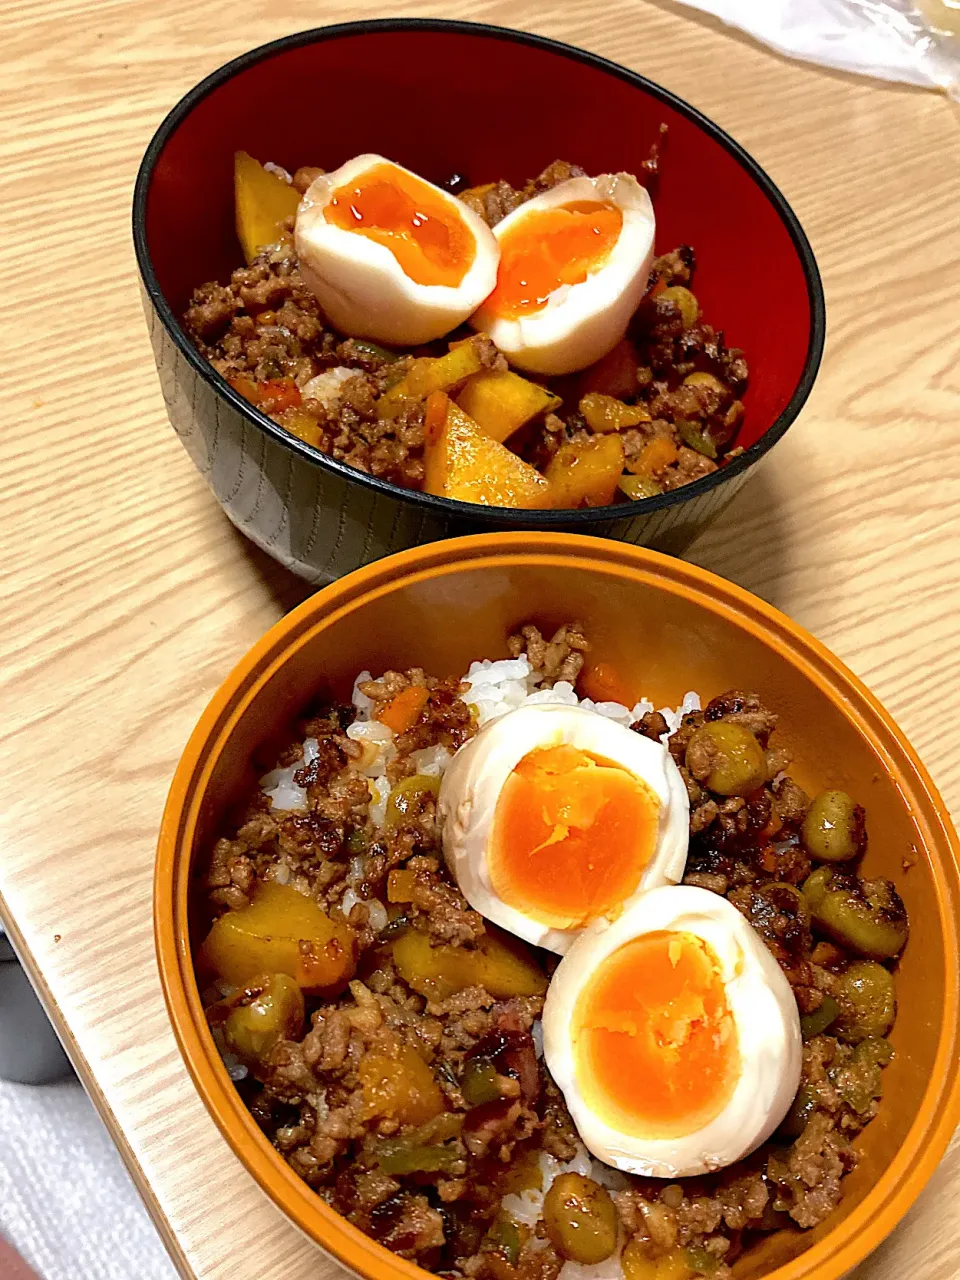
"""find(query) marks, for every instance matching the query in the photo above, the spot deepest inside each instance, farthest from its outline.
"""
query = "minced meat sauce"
(265, 333)
(431, 1191)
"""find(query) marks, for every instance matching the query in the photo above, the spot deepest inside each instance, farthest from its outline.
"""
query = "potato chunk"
(282, 931)
(606, 413)
(398, 1084)
(585, 473)
(501, 964)
(461, 462)
(500, 403)
(262, 203)
(428, 374)
(269, 1010)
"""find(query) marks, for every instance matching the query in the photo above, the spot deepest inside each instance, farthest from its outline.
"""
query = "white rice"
(279, 171)
(280, 786)
(327, 387)
(502, 686)
(495, 687)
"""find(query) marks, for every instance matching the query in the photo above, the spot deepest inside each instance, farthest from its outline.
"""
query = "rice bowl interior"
(323, 1087)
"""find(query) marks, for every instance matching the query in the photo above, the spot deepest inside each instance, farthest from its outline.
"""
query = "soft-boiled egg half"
(574, 264)
(390, 256)
(673, 1035)
(553, 817)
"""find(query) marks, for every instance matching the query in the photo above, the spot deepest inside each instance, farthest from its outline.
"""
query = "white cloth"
(889, 39)
(66, 1202)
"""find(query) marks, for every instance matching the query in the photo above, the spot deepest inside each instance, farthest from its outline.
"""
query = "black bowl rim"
(453, 508)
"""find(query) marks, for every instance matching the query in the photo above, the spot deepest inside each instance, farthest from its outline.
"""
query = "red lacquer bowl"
(444, 97)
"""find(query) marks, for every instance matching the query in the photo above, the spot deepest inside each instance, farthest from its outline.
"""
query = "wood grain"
(126, 596)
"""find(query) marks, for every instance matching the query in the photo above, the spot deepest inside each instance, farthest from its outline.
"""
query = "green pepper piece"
(813, 1024)
(700, 1260)
(505, 1237)
(795, 1121)
(480, 1082)
(875, 1052)
(396, 1155)
(374, 349)
(694, 435)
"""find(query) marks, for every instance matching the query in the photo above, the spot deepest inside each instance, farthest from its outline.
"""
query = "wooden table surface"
(126, 596)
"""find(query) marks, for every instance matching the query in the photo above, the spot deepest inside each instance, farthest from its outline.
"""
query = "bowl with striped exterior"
(321, 517)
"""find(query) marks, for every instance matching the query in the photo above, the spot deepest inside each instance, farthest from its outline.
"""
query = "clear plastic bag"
(914, 41)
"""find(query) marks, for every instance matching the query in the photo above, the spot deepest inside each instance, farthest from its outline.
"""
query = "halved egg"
(390, 256)
(674, 1036)
(574, 264)
(553, 817)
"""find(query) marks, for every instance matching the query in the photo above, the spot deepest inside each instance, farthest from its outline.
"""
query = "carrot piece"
(601, 682)
(282, 392)
(245, 387)
(773, 828)
(403, 711)
(656, 454)
(657, 287)
(436, 416)
(768, 859)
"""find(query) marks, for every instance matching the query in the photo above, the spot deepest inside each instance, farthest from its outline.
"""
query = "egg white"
(361, 286)
(763, 1008)
(475, 777)
(581, 323)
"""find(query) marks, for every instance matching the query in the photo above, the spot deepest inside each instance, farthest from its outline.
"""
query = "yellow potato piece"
(397, 1083)
(461, 462)
(262, 203)
(430, 373)
(501, 403)
(282, 931)
(501, 964)
(638, 1264)
(585, 473)
(605, 413)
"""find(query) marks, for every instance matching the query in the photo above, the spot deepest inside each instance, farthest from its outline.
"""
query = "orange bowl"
(678, 628)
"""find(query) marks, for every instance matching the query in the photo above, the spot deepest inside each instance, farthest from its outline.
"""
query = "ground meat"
(690, 466)
(408, 1225)
(320, 1097)
(808, 1175)
(493, 201)
(676, 267)
(559, 658)
(652, 725)
(438, 907)
(560, 1137)
(266, 334)
(790, 802)
(211, 309)
(305, 177)
(706, 880)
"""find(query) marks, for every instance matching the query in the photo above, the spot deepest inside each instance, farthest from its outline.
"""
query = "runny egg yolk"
(430, 242)
(655, 1041)
(572, 835)
(548, 248)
